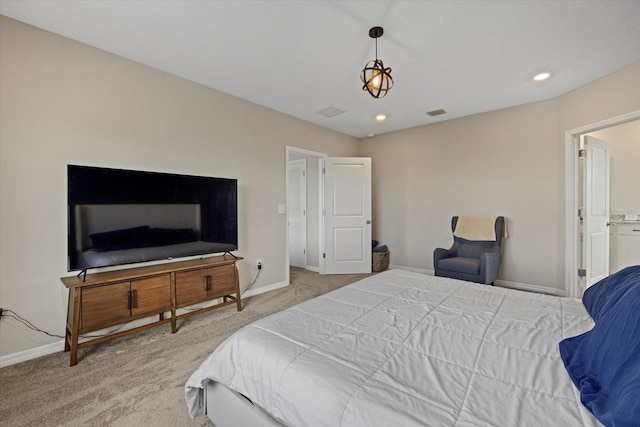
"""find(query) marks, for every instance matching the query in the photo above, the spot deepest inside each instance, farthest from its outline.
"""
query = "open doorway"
(303, 212)
(297, 211)
(574, 284)
(342, 187)
(624, 148)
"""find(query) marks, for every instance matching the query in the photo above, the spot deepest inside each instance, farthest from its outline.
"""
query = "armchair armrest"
(489, 264)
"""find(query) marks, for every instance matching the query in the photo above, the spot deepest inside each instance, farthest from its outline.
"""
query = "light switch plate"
(282, 209)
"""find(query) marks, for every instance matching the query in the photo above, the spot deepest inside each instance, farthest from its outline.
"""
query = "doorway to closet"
(303, 209)
(328, 212)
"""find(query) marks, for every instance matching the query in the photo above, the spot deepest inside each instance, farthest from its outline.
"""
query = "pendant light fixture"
(376, 78)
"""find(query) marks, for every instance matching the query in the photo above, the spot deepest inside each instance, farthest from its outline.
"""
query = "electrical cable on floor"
(33, 327)
(252, 283)
(27, 323)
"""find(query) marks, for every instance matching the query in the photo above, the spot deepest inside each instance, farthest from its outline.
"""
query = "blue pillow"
(604, 363)
(600, 297)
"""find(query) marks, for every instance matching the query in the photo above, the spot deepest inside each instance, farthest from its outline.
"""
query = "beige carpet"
(138, 380)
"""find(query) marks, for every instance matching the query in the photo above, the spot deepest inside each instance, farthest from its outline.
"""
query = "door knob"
(368, 222)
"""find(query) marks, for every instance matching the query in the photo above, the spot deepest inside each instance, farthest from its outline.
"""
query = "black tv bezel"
(73, 200)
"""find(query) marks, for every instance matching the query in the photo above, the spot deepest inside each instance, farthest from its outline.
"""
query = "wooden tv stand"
(112, 298)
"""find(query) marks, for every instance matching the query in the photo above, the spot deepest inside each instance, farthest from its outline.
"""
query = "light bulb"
(542, 76)
(376, 80)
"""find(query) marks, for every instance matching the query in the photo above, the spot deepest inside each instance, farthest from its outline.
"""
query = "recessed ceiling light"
(380, 117)
(542, 76)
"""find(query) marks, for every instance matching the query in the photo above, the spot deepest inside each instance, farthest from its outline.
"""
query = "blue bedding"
(604, 363)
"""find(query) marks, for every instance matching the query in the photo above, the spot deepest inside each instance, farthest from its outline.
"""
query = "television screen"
(123, 216)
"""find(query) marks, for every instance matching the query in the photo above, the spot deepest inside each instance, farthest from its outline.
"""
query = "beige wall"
(492, 163)
(67, 103)
(509, 162)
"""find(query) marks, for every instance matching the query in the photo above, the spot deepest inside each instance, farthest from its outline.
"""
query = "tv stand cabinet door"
(223, 280)
(105, 305)
(191, 287)
(151, 295)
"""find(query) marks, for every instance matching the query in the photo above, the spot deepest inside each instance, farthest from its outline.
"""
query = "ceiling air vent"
(330, 112)
(436, 113)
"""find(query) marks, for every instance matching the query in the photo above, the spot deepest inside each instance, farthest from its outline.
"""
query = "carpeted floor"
(139, 379)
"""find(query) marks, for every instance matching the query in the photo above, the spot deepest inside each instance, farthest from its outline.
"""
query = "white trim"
(303, 151)
(530, 288)
(321, 264)
(312, 268)
(264, 289)
(501, 283)
(571, 140)
(303, 192)
(32, 353)
(415, 270)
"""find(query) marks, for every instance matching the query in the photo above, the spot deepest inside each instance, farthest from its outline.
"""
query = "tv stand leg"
(73, 326)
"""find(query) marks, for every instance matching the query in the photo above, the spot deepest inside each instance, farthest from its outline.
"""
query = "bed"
(402, 348)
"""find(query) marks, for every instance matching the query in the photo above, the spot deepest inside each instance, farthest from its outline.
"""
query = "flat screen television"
(121, 216)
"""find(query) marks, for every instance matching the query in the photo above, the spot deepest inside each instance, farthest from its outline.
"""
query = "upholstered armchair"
(472, 260)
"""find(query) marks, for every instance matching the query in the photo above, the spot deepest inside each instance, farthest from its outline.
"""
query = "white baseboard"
(415, 270)
(530, 288)
(312, 268)
(32, 353)
(263, 289)
(502, 283)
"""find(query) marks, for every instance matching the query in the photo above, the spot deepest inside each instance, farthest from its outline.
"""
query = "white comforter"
(407, 349)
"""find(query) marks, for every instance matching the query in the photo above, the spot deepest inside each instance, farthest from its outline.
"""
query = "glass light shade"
(376, 78)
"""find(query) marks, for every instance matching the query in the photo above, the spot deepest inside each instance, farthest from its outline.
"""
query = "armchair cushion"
(461, 264)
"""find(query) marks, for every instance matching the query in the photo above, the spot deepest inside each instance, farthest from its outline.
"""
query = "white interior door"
(297, 213)
(347, 215)
(597, 207)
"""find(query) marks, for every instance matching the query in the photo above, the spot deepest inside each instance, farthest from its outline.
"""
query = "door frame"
(291, 149)
(572, 223)
(303, 192)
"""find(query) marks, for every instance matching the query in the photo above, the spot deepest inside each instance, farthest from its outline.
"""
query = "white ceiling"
(299, 57)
